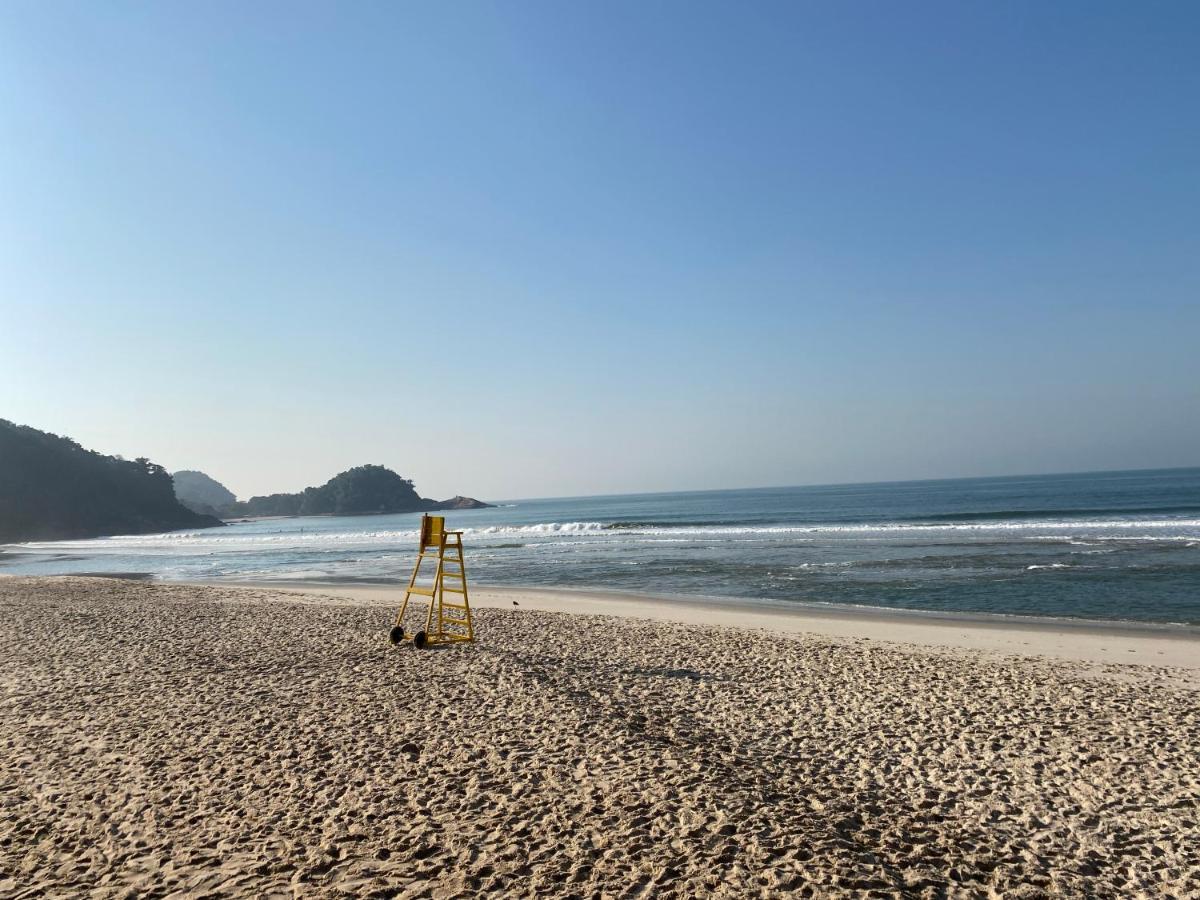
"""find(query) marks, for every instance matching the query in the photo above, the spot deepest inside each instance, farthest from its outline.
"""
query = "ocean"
(1111, 545)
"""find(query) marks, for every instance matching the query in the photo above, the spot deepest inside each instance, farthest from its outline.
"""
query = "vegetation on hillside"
(51, 488)
(357, 491)
(201, 493)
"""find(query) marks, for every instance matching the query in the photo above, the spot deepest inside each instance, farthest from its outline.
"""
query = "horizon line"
(780, 487)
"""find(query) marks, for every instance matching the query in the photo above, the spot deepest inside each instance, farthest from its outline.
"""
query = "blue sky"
(544, 249)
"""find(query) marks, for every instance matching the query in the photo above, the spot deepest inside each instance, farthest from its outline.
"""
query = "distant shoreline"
(344, 515)
(1096, 641)
(755, 606)
(1090, 640)
(1079, 554)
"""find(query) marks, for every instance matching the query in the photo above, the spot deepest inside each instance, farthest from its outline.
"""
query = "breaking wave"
(234, 538)
(541, 528)
(1120, 526)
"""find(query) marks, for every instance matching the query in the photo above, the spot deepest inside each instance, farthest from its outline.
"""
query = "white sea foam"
(239, 539)
(1092, 529)
(542, 528)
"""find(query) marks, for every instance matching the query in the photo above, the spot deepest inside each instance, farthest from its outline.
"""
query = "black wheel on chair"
(419, 640)
(396, 635)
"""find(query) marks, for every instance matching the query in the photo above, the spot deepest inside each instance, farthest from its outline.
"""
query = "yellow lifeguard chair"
(446, 623)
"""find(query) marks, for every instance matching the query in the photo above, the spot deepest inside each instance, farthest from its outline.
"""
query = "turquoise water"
(1115, 545)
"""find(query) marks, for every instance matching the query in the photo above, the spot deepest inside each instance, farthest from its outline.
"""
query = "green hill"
(53, 489)
(358, 491)
(363, 490)
(201, 493)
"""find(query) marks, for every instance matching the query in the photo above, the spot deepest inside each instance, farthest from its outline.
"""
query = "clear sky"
(528, 249)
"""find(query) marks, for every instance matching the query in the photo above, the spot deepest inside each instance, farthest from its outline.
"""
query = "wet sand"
(190, 740)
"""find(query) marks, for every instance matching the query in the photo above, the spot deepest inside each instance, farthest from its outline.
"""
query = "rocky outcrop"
(460, 503)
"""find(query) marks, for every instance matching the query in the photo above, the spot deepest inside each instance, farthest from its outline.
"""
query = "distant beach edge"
(1088, 640)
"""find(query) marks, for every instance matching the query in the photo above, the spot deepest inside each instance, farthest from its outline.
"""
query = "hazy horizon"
(545, 251)
(683, 490)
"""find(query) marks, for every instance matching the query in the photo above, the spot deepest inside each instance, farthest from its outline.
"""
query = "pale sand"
(1095, 642)
(217, 741)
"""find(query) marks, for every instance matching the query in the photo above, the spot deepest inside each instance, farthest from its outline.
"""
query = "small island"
(362, 491)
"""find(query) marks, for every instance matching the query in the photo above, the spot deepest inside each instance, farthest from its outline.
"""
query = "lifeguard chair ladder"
(446, 622)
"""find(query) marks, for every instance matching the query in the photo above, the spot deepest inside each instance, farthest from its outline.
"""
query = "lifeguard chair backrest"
(432, 528)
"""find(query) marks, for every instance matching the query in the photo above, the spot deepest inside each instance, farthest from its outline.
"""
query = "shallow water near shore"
(1114, 546)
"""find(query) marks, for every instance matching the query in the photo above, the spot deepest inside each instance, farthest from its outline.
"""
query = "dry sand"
(996, 636)
(203, 741)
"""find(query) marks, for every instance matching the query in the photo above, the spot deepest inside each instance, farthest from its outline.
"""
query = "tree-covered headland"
(51, 488)
(363, 490)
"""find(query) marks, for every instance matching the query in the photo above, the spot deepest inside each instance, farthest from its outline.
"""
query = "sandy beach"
(188, 740)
